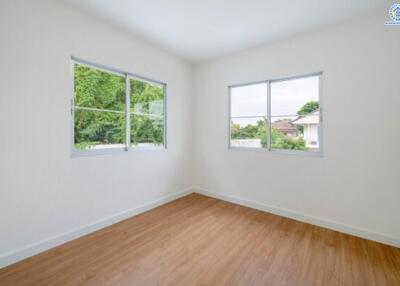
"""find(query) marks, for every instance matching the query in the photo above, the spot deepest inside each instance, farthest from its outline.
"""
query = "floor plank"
(198, 240)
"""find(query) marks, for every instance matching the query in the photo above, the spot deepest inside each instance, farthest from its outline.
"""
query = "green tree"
(249, 131)
(309, 107)
(147, 114)
(98, 90)
(281, 141)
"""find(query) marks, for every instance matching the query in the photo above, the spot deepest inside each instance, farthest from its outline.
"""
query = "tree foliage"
(309, 107)
(146, 99)
(281, 141)
(100, 109)
(247, 132)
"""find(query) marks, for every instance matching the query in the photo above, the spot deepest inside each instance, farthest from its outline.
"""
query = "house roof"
(312, 118)
(284, 125)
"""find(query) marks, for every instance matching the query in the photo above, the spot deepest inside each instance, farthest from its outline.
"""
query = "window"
(115, 111)
(277, 115)
(249, 115)
(146, 113)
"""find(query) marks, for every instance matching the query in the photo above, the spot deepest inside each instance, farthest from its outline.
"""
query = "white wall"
(355, 187)
(43, 191)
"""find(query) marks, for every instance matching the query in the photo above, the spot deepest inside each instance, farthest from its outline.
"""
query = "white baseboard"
(35, 248)
(341, 227)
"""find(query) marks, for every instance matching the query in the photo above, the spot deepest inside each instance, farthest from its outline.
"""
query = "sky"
(287, 97)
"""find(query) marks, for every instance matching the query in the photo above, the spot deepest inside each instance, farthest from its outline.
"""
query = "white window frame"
(127, 76)
(269, 149)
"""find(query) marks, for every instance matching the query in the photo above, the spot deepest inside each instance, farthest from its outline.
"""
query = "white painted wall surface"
(43, 191)
(355, 185)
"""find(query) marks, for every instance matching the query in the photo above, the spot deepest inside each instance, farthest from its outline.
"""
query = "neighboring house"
(310, 124)
(286, 127)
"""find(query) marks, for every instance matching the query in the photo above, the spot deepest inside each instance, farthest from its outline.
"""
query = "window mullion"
(165, 116)
(229, 118)
(269, 115)
(127, 113)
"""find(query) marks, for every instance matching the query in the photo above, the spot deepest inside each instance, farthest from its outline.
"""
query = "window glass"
(99, 129)
(295, 114)
(249, 132)
(146, 113)
(99, 111)
(102, 118)
(248, 116)
(289, 97)
(249, 100)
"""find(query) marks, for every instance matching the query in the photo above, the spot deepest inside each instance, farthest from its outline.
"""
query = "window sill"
(113, 151)
(279, 152)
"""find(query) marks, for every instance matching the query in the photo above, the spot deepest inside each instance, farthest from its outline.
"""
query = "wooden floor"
(198, 240)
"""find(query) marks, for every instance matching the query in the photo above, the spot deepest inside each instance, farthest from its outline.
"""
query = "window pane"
(295, 97)
(295, 132)
(146, 98)
(98, 129)
(147, 131)
(98, 89)
(249, 100)
(147, 113)
(309, 126)
(248, 132)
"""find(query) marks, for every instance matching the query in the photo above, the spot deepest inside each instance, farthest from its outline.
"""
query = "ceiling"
(204, 29)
